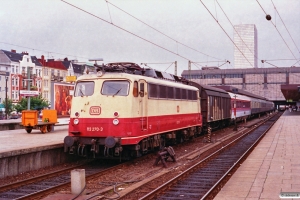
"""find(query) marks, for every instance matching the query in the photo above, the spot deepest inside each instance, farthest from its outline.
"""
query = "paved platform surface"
(20, 140)
(272, 168)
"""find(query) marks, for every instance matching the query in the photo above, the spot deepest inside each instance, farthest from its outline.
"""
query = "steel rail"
(184, 174)
(44, 192)
(17, 184)
(237, 162)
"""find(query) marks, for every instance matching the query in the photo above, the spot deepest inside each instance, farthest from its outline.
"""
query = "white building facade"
(245, 51)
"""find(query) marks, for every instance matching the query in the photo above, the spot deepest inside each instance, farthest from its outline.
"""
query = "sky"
(156, 32)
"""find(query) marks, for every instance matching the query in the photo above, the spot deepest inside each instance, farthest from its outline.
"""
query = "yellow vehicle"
(30, 120)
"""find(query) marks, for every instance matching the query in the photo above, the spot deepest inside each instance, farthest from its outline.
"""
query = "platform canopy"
(291, 92)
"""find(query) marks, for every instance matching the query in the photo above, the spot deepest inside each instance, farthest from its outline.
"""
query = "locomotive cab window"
(85, 88)
(135, 89)
(115, 88)
(142, 89)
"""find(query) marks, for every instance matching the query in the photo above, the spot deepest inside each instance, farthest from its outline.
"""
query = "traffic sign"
(70, 78)
(29, 93)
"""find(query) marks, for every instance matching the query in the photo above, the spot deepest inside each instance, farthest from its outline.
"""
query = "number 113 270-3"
(94, 128)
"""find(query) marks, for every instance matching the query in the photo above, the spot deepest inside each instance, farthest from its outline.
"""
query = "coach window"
(170, 92)
(177, 93)
(142, 89)
(135, 89)
(190, 95)
(162, 91)
(84, 88)
(152, 90)
(183, 93)
(115, 88)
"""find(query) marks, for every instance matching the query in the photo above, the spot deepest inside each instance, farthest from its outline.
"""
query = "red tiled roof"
(54, 64)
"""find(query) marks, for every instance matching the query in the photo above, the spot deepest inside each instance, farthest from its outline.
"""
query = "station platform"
(19, 139)
(272, 170)
(21, 151)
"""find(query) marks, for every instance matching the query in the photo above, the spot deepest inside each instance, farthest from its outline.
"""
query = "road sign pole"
(28, 87)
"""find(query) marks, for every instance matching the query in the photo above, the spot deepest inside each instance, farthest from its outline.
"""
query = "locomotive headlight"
(76, 121)
(115, 121)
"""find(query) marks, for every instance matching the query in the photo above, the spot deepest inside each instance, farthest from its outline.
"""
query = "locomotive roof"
(133, 68)
(113, 75)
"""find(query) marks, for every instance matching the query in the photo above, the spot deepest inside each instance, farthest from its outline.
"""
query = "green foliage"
(9, 105)
(36, 103)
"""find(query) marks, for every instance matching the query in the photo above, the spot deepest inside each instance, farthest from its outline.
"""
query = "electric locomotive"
(123, 111)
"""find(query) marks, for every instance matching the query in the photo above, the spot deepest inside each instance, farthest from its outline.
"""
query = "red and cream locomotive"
(125, 111)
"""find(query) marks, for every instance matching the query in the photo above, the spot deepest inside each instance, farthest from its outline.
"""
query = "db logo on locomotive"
(95, 110)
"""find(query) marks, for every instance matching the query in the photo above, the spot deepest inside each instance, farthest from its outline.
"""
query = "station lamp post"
(6, 103)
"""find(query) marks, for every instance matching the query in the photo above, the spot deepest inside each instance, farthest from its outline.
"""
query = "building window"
(45, 71)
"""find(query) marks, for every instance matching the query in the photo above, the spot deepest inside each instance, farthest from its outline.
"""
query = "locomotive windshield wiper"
(81, 92)
(117, 92)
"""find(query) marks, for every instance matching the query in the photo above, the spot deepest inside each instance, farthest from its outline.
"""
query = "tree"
(36, 103)
(10, 106)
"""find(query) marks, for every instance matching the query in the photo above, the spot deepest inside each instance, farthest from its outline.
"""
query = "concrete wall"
(10, 126)
(20, 161)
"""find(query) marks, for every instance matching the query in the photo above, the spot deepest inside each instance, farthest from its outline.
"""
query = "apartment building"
(24, 72)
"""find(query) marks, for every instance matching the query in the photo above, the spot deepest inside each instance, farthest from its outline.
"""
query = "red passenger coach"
(124, 111)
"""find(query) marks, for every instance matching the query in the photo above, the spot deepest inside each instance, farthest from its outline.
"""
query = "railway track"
(204, 179)
(41, 186)
(216, 166)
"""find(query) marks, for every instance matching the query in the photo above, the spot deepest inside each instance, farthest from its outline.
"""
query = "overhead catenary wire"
(163, 33)
(34, 49)
(285, 25)
(226, 33)
(123, 29)
(277, 31)
(147, 64)
(236, 30)
(109, 12)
